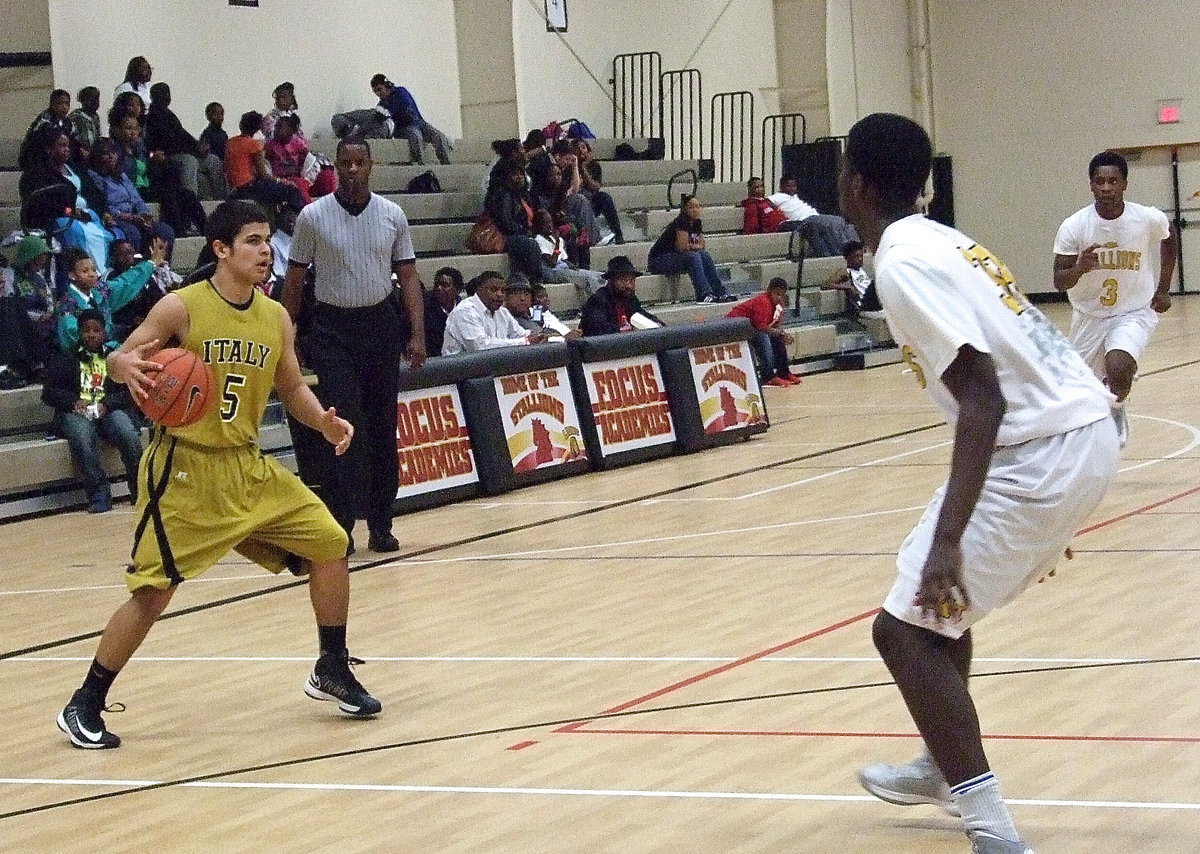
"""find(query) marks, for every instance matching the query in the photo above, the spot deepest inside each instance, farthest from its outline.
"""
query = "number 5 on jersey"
(229, 396)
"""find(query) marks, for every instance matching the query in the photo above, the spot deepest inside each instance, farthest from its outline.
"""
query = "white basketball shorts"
(1036, 496)
(1092, 336)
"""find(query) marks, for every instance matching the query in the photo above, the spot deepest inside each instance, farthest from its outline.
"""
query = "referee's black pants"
(356, 353)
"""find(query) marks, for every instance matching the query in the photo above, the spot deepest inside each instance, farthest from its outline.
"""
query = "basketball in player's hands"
(182, 392)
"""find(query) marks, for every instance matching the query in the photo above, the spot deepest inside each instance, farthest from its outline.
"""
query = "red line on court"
(521, 745)
(1138, 739)
(1139, 511)
(653, 695)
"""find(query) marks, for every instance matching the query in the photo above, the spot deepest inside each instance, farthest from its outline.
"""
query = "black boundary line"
(204, 606)
(441, 739)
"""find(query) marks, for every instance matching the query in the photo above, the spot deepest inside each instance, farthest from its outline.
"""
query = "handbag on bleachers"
(485, 238)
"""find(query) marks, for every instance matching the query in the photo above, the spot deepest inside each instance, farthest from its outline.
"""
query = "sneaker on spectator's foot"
(917, 782)
(606, 239)
(80, 720)
(983, 842)
(709, 298)
(1122, 422)
(794, 379)
(331, 679)
(383, 542)
(10, 379)
(778, 382)
(727, 297)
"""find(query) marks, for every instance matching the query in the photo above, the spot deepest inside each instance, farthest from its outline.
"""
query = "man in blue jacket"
(409, 123)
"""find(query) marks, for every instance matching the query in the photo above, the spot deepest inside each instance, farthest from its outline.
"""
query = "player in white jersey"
(1104, 261)
(1034, 452)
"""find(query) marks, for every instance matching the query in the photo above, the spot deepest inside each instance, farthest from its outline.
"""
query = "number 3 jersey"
(242, 345)
(941, 290)
(1129, 256)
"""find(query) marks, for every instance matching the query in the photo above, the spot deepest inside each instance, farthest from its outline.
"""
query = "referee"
(356, 240)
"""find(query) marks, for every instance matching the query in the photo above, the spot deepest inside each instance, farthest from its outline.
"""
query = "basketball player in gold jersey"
(207, 489)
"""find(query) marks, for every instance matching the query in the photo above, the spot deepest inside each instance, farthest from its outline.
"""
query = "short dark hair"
(158, 91)
(777, 283)
(292, 120)
(211, 106)
(72, 255)
(90, 314)
(852, 246)
(351, 140)
(59, 93)
(379, 79)
(474, 284)
(230, 217)
(250, 123)
(86, 91)
(534, 138)
(893, 154)
(451, 272)
(1108, 158)
(562, 146)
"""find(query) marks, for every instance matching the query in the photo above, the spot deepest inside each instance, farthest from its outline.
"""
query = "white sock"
(983, 807)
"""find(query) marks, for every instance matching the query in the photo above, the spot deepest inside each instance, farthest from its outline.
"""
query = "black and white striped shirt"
(353, 255)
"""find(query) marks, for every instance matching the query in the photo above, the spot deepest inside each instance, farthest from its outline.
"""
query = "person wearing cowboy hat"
(613, 307)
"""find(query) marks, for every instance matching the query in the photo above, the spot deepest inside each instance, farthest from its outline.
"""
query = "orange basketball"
(183, 391)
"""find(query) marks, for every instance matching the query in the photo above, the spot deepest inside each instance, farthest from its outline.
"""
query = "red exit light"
(1168, 115)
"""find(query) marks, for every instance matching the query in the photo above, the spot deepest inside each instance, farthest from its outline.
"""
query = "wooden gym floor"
(670, 657)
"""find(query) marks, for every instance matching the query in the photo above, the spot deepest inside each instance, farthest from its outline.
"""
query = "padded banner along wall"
(715, 396)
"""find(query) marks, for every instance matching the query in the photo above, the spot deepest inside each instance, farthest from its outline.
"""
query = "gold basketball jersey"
(242, 346)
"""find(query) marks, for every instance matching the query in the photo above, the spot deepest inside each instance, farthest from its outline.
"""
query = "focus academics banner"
(432, 444)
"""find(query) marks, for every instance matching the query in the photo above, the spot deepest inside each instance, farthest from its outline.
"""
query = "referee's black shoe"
(81, 721)
(383, 542)
(332, 680)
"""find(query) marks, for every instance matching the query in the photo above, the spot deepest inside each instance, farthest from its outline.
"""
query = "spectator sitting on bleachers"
(285, 105)
(759, 215)
(592, 177)
(765, 313)
(508, 204)
(408, 121)
(162, 281)
(439, 302)
(127, 102)
(615, 307)
(87, 290)
(214, 135)
(89, 406)
(16, 364)
(32, 289)
(578, 209)
(680, 248)
(285, 151)
(518, 299)
(119, 203)
(537, 153)
(80, 226)
(54, 116)
(164, 132)
(155, 178)
(825, 233)
(555, 266)
(481, 322)
(855, 282)
(248, 172)
(504, 149)
(137, 80)
(85, 122)
(281, 237)
(542, 315)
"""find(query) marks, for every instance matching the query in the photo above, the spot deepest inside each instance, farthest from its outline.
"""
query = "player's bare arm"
(410, 292)
(302, 404)
(1168, 255)
(971, 379)
(1069, 268)
(166, 324)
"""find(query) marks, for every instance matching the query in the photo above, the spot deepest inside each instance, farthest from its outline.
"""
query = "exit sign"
(1170, 112)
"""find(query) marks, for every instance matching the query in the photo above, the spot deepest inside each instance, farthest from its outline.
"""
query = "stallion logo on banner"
(726, 387)
(540, 422)
(432, 445)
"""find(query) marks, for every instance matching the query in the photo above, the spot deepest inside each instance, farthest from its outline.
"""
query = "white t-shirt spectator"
(941, 290)
(792, 206)
(1126, 278)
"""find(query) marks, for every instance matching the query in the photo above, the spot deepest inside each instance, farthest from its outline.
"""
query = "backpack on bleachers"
(426, 182)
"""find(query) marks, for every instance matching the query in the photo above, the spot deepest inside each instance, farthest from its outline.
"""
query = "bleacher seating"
(32, 464)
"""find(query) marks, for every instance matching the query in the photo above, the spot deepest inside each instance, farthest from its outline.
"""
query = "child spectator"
(518, 299)
(765, 313)
(544, 317)
(89, 406)
(214, 135)
(87, 291)
(54, 116)
(285, 153)
(439, 302)
(759, 215)
(162, 281)
(85, 122)
(855, 282)
(248, 172)
(121, 206)
(30, 286)
(555, 266)
(680, 248)
(285, 105)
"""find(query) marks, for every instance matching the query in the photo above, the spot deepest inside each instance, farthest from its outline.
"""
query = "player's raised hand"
(337, 431)
(1089, 259)
(136, 369)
